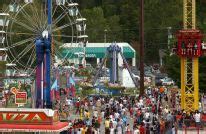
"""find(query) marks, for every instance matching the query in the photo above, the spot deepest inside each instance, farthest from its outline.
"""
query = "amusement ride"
(34, 31)
(189, 48)
(112, 55)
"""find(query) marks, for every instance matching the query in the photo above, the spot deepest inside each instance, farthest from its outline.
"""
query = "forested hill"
(121, 19)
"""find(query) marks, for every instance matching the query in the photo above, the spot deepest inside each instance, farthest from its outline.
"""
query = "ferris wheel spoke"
(20, 33)
(21, 42)
(25, 51)
(23, 25)
(66, 36)
(29, 18)
(56, 49)
(59, 18)
(33, 60)
(58, 52)
(17, 60)
(35, 16)
(32, 70)
(54, 11)
(45, 23)
(62, 27)
(30, 58)
(43, 19)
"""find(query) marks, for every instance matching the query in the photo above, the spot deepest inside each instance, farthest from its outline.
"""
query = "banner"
(21, 98)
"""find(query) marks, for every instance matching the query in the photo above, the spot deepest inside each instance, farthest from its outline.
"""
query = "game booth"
(30, 120)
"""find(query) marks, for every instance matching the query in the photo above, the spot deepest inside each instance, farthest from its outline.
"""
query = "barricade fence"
(191, 130)
(189, 126)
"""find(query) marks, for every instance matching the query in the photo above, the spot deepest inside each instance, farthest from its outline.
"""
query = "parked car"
(89, 65)
(158, 80)
(167, 82)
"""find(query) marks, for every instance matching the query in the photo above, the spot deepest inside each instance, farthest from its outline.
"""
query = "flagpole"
(67, 78)
(57, 83)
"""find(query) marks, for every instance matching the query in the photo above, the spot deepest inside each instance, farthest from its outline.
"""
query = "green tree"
(114, 29)
(129, 20)
(172, 67)
(96, 23)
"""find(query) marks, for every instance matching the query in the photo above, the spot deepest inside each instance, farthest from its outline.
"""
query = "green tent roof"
(94, 52)
(128, 52)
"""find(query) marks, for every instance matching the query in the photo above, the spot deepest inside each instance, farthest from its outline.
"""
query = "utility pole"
(141, 47)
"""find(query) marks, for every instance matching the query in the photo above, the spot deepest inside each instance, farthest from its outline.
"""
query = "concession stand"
(31, 120)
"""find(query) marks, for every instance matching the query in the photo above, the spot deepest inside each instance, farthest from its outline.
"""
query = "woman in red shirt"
(141, 129)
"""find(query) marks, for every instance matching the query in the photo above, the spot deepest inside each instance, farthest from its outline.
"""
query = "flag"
(71, 81)
(54, 86)
(72, 89)
(54, 90)
(67, 91)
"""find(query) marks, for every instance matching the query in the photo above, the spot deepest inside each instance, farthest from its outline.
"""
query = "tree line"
(121, 20)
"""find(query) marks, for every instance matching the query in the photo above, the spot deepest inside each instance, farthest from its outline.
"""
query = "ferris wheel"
(27, 20)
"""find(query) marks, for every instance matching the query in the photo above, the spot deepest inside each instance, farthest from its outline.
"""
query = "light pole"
(84, 60)
(169, 36)
(105, 35)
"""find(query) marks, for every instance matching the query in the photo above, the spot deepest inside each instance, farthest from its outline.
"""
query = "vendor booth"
(31, 120)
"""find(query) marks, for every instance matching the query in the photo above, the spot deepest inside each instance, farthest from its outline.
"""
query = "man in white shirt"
(166, 110)
(197, 118)
(121, 105)
(141, 102)
(102, 114)
(116, 115)
(147, 115)
(95, 113)
(136, 131)
(114, 122)
(79, 131)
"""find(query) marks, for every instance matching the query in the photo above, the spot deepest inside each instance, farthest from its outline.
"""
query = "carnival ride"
(34, 31)
(112, 53)
(189, 48)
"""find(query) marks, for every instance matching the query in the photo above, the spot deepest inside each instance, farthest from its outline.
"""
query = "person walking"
(142, 129)
(106, 123)
(197, 117)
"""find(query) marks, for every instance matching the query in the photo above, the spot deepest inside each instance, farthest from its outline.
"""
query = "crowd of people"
(152, 113)
(125, 114)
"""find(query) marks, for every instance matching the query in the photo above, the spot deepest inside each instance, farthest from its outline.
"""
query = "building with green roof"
(94, 52)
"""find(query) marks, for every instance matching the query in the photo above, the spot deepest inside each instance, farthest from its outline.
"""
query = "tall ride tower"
(189, 49)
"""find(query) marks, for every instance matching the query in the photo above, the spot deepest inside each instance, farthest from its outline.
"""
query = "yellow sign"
(14, 90)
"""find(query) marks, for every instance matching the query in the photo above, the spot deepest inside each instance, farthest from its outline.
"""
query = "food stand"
(31, 120)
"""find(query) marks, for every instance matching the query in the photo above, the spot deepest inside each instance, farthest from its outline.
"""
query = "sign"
(29, 117)
(14, 90)
(91, 55)
(21, 98)
(88, 56)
